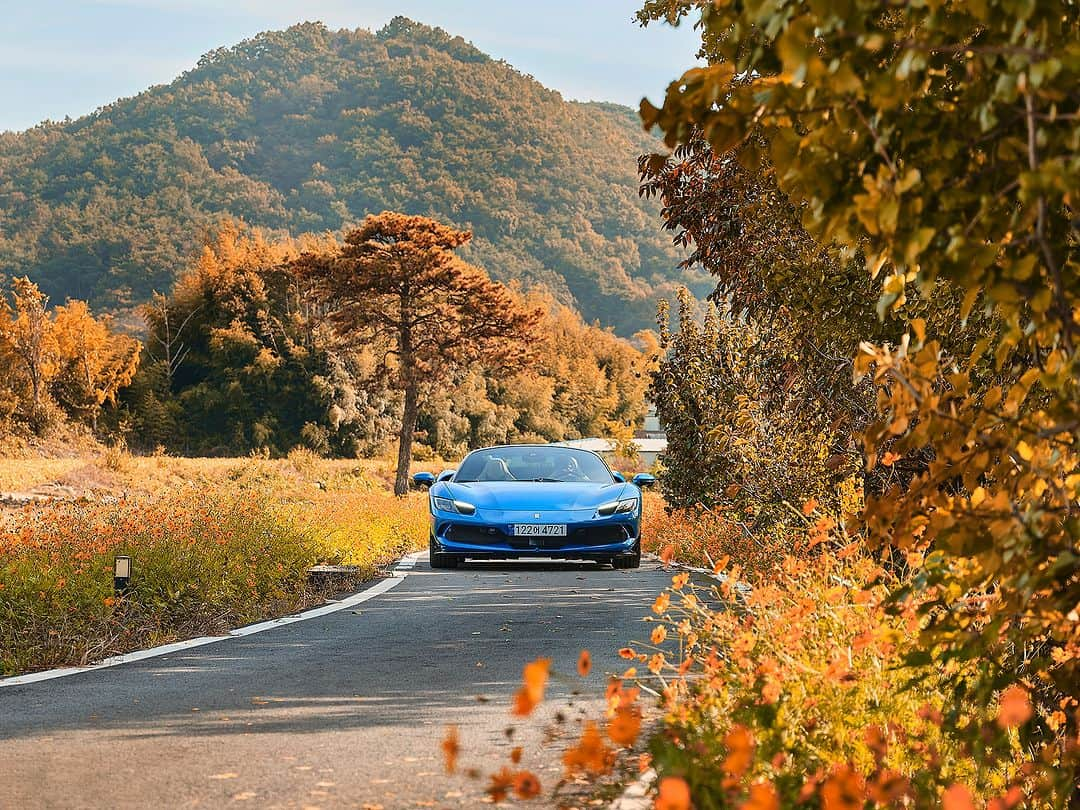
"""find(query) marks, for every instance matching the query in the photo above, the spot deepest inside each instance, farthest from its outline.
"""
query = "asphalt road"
(343, 710)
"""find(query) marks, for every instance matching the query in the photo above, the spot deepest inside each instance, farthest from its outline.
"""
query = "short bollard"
(121, 574)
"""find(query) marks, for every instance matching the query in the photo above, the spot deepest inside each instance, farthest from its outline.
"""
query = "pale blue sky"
(68, 57)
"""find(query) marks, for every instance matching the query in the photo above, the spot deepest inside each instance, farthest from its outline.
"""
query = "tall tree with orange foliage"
(397, 282)
(28, 335)
(95, 361)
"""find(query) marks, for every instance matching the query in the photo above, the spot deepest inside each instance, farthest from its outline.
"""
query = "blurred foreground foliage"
(887, 195)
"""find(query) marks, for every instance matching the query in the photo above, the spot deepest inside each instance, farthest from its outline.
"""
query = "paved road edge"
(397, 575)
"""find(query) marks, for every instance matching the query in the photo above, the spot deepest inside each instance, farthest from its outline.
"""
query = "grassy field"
(216, 543)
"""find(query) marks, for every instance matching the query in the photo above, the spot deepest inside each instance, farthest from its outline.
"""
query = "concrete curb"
(637, 795)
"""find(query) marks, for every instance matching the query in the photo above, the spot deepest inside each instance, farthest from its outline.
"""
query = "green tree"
(396, 283)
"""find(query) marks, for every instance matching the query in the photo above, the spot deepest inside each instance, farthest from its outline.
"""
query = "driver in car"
(567, 469)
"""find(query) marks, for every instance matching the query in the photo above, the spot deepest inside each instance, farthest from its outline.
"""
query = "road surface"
(343, 710)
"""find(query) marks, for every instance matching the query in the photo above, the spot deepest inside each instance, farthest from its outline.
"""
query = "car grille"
(491, 536)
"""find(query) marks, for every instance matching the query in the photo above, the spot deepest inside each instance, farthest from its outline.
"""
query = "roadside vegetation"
(225, 543)
(873, 422)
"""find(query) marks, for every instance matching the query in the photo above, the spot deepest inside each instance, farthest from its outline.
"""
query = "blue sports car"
(519, 501)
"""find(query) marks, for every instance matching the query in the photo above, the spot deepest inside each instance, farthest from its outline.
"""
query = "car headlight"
(450, 505)
(625, 506)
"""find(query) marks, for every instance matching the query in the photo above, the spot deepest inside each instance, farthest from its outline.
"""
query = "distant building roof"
(598, 445)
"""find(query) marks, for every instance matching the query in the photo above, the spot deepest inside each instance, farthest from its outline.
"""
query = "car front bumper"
(477, 536)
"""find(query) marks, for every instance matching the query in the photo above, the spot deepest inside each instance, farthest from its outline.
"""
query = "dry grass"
(216, 543)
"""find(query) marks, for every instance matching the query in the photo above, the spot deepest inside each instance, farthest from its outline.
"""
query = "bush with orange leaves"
(206, 559)
(803, 691)
(706, 537)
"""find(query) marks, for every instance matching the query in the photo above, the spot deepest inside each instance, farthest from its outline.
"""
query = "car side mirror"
(644, 480)
(446, 475)
(423, 480)
(618, 476)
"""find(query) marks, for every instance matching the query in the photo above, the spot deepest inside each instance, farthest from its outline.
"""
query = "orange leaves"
(844, 789)
(530, 695)
(662, 603)
(957, 797)
(625, 723)
(673, 794)
(656, 663)
(762, 796)
(500, 783)
(658, 635)
(584, 664)
(628, 653)
(526, 785)
(624, 727)
(1014, 709)
(451, 748)
(590, 755)
(740, 751)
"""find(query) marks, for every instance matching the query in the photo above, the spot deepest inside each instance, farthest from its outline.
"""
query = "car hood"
(521, 495)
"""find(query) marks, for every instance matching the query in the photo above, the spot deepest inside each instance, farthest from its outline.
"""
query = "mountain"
(309, 130)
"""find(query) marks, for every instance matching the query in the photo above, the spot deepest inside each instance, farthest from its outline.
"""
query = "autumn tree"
(94, 360)
(397, 283)
(938, 142)
(30, 337)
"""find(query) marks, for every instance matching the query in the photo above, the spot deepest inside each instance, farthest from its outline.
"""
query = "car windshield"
(543, 464)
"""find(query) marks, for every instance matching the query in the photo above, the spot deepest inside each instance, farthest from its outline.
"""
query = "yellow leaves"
(1014, 708)
(1024, 450)
(530, 695)
(673, 794)
(451, 748)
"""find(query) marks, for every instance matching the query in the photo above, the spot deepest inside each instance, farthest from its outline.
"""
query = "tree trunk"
(405, 440)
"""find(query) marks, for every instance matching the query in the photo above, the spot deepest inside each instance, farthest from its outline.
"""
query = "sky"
(68, 57)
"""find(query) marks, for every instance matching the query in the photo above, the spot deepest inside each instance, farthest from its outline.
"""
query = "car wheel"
(631, 560)
(440, 559)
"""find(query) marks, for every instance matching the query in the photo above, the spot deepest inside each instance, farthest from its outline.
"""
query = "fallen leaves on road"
(451, 748)
(584, 664)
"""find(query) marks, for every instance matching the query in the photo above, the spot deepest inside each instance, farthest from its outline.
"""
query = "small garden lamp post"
(121, 574)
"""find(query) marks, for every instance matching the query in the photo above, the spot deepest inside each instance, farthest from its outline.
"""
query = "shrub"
(805, 689)
(205, 559)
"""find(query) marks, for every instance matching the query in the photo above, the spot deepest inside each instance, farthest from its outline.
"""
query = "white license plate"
(540, 529)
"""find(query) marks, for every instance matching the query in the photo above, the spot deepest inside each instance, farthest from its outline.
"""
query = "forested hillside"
(309, 130)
